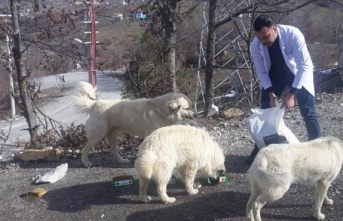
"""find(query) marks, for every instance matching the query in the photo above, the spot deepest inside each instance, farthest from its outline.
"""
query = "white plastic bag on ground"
(266, 126)
(54, 175)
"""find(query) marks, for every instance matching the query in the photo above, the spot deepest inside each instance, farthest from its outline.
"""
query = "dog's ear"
(174, 107)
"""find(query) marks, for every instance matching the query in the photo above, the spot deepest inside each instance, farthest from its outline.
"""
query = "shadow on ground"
(206, 207)
(103, 160)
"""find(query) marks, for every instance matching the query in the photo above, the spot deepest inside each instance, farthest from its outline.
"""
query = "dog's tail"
(259, 172)
(145, 164)
(85, 97)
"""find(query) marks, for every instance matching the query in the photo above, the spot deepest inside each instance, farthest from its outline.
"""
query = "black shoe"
(252, 156)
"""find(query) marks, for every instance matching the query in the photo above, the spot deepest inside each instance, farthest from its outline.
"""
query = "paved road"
(61, 108)
(86, 194)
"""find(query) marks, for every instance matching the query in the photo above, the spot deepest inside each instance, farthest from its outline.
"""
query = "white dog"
(277, 166)
(136, 117)
(185, 148)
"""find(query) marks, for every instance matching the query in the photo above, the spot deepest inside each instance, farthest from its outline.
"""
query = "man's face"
(266, 35)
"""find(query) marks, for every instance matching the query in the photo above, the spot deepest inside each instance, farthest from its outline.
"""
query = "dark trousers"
(307, 108)
(306, 104)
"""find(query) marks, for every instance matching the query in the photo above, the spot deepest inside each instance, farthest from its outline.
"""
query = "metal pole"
(11, 90)
(92, 71)
(340, 59)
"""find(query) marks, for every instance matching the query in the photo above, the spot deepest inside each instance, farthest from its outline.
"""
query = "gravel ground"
(86, 194)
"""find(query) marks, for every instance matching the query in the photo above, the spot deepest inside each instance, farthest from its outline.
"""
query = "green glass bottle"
(223, 178)
(123, 181)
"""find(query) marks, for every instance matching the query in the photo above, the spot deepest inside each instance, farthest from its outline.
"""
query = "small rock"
(44, 154)
(232, 112)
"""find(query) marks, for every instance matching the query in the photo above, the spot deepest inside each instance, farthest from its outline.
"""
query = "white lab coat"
(295, 53)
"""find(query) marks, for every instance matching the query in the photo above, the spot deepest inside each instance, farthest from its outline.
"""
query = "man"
(282, 61)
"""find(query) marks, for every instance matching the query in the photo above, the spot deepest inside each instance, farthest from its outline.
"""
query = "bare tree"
(167, 10)
(41, 43)
(23, 83)
(164, 12)
(36, 5)
(335, 22)
(210, 54)
(153, 67)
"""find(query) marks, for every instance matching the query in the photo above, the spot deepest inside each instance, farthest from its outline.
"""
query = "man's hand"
(288, 102)
(272, 99)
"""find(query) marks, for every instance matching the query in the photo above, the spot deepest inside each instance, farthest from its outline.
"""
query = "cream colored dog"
(185, 148)
(136, 117)
(277, 166)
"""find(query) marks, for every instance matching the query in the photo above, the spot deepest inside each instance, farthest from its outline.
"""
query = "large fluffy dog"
(185, 148)
(277, 166)
(136, 117)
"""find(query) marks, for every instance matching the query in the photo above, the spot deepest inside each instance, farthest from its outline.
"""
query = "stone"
(43, 154)
(232, 112)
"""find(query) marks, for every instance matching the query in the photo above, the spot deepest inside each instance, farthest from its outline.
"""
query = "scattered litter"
(213, 111)
(223, 178)
(54, 175)
(34, 195)
(123, 181)
(38, 192)
(131, 180)
(231, 94)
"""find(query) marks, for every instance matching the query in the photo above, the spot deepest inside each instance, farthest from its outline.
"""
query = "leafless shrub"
(74, 137)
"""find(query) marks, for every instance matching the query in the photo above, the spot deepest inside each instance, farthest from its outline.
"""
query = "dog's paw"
(145, 199)
(250, 216)
(319, 216)
(169, 200)
(328, 201)
(192, 191)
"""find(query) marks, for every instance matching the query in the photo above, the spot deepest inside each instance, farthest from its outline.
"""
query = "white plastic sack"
(266, 126)
(54, 175)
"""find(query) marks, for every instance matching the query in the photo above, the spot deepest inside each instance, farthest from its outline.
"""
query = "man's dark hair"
(263, 21)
